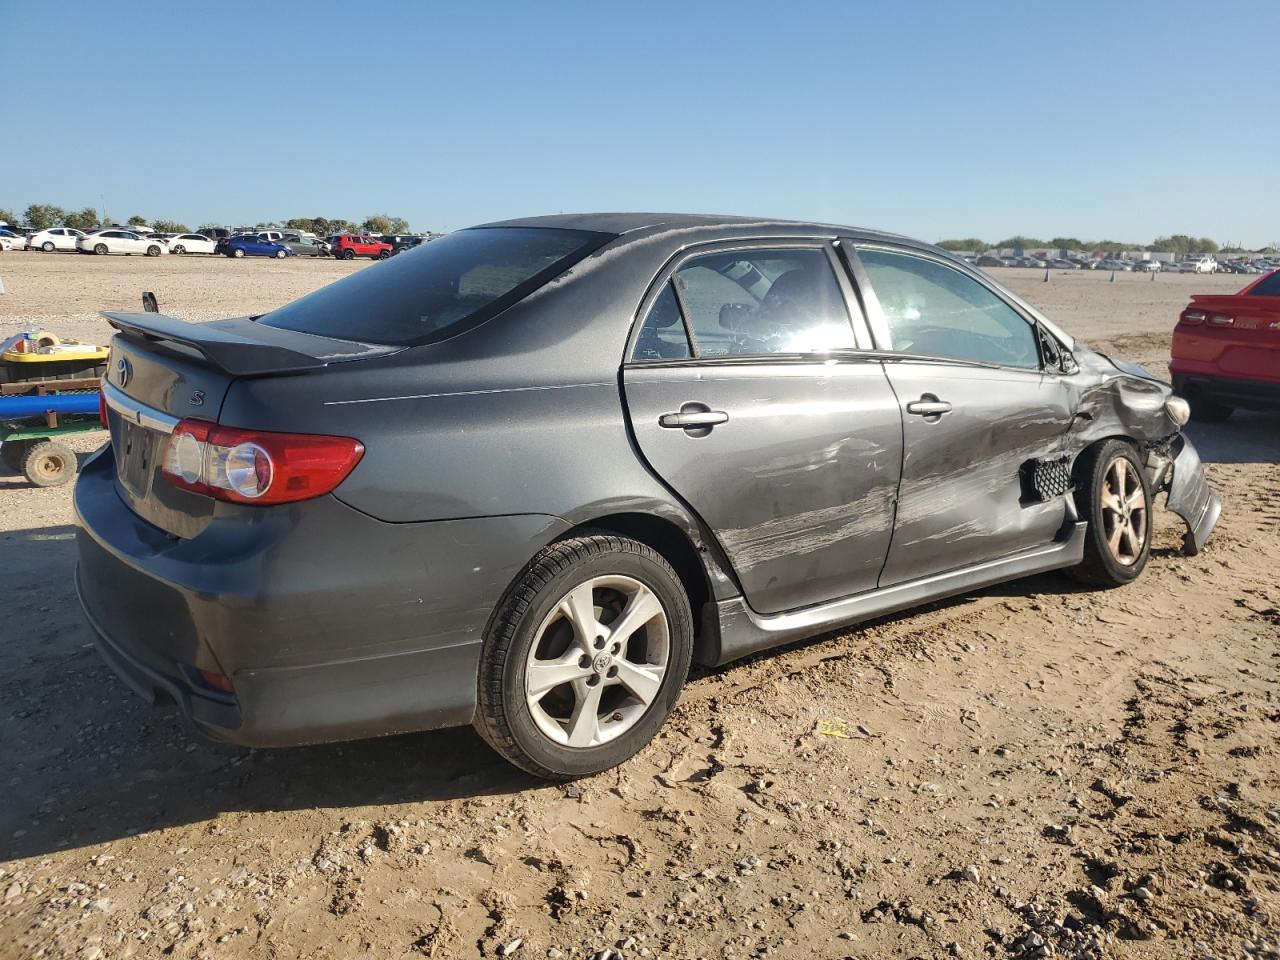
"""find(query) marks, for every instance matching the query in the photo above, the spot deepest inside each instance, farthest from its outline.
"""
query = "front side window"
(437, 289)
(767, 301)
(934, 310)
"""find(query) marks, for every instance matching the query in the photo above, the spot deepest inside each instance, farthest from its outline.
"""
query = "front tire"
(1112, 494)
(584, 658)
(153, 251)
(280, 254)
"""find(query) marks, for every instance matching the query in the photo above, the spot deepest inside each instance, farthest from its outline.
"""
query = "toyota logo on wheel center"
(602, 662)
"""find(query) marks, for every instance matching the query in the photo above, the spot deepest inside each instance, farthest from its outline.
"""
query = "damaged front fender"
(1191, 498)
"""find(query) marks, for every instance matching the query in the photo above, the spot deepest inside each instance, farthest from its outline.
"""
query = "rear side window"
(1268, 286)
(437, 289)
(759, 302)
(662, 337)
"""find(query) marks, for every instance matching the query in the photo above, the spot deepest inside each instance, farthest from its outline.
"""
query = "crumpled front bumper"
(1191, 498)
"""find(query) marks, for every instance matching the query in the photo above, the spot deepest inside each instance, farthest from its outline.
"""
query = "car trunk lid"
(1238, 333)
(163, 370)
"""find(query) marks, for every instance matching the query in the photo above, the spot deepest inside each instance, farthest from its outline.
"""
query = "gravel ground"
(1034, 770)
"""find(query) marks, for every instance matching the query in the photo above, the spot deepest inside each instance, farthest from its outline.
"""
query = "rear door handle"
(929, 406)
(708, 418)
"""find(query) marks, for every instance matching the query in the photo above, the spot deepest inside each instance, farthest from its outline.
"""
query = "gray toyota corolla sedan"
(523, 476)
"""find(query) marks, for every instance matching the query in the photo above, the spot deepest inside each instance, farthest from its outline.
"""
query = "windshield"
(436, 289)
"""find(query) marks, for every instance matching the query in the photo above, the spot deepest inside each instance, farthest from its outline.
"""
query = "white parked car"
(5, 244)
(120, 241)
(16, 239)
(191, 243)
(1206, 265)
(55, 238)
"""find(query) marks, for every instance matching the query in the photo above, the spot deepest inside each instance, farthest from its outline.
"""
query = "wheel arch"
(688, 555)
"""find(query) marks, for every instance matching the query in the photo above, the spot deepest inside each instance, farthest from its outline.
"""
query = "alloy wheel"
(1124, 511)
(597, 661)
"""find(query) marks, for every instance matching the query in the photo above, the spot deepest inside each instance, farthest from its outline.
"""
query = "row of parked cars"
(264, 243)
(1190, 265)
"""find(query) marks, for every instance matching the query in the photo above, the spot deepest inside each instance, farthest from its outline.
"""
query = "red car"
(1226, 350)
(348, 246)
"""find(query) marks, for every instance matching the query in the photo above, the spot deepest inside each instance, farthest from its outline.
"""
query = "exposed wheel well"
(675, 547)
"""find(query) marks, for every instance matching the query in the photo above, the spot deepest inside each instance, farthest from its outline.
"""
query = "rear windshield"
(437, 289)
(1268, 286)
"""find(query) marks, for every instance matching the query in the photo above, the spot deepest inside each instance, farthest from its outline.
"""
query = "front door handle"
(695, 419)
(929, 407)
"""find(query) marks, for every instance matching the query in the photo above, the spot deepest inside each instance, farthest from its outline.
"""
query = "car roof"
(654, 224)
(681, 229)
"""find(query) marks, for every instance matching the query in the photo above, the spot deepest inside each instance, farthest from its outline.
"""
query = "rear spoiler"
(244, 348)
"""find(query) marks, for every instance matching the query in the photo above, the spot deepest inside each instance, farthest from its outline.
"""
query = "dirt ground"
(1033, 770)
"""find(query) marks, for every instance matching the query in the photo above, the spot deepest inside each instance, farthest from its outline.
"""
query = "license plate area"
(136, 450)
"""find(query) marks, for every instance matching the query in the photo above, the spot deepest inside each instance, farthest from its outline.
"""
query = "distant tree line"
(1182, 244)
(42, 216)
(324, 226)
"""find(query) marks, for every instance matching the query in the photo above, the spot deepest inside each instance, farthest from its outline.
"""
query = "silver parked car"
(526, 474)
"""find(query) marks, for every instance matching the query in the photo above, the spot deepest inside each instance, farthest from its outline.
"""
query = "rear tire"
(348, 254)
(561, 614)
(179, 249)
(1205, 410)
(13, 453)
(100, 249)
(49, 463)
(383, 254)
(1112, 494)
(47, 246)
(237, 253)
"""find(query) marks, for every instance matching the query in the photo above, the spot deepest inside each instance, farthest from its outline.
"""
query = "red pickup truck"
(1226, 350)
(348, 246)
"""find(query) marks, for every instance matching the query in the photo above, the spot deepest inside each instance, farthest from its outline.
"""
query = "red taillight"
(254, 466)
(102, 409)
(1192, 318)
(216, 680)
(1221, 320)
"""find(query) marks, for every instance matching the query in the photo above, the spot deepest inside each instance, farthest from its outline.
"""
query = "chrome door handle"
(707, 418)
(928, 406)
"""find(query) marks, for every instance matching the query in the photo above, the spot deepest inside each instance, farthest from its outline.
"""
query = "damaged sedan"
(524, 476)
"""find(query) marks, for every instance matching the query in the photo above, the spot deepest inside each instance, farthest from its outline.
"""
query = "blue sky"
(935, 119)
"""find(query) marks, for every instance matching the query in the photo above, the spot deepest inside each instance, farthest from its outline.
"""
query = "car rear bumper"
(1249, 393)
(330, 625)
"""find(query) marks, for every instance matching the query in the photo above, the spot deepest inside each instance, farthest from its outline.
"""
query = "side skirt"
(741, 631)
